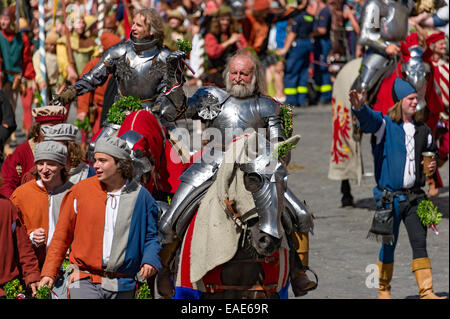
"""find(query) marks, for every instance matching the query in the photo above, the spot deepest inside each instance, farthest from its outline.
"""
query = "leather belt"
(107, 274)
(266, 288)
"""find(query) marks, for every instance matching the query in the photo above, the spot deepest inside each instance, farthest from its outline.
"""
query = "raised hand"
(356, 99)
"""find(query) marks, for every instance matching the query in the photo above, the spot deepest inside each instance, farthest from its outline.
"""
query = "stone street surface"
(340, 254)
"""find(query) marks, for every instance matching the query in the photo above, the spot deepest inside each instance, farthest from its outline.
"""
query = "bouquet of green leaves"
(283, 149)
(184, 46)
(144, 292)
(82, 125)
(429, 215)
(287, 120)
(14, 290)
(43, 293)
(121, 108)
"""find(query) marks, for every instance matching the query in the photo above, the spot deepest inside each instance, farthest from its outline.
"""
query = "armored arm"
(271, 112)
(172, 100)
(370, 27)
(99, 73)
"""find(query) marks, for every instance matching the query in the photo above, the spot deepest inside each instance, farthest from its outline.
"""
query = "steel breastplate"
(140, 74)
(238, 116)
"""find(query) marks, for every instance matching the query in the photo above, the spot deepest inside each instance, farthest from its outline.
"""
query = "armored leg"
(373, 68)
(299, 259)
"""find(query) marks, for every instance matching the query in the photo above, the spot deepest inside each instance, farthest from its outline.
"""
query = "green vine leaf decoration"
(43, 293)
(283, 149)
(287, 120)
(82, 125)
(144, 292)
(184, 46)
(428, 213)
(121, 108)
(14, 289)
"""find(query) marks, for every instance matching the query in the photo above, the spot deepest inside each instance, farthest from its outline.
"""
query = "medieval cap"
(435, 37)
(9, 12)
(49, 113)
(261, 5)
(60, 132)
(52, 151)
(401, 89)
(113, 146)
(176, 14)
(51, 37)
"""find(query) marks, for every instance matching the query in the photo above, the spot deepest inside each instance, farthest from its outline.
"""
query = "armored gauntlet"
(67, 96)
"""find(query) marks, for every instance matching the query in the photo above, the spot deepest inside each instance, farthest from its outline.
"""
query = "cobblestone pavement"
(340, 254)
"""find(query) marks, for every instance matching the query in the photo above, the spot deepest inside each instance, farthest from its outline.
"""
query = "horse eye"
(253, 181)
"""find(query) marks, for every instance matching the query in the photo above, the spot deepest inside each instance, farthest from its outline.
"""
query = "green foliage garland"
(82, 125)
(283, 149)
(287, 118)
(428, 213)
(184, 46)
(43, 293)
(121, 108)
(14, 289)
(144, 292)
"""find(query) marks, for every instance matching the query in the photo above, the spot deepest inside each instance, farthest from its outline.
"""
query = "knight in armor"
(384, 24)
(142, 67)
(232, 112)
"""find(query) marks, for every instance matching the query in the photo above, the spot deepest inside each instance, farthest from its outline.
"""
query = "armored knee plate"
(374, 67)
(300, 213)
(193, 182)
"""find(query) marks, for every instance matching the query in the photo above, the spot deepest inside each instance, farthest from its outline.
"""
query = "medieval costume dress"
(18, 257)
(22, 159)
(39, 207)
(82, 227)
(397, 149)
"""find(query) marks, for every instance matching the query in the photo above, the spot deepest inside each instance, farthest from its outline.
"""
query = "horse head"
(265, 177)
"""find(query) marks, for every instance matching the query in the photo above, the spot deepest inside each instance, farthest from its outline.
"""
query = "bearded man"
(228, 114)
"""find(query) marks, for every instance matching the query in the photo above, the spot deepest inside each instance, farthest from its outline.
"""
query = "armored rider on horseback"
(384, 24)
(232, 112)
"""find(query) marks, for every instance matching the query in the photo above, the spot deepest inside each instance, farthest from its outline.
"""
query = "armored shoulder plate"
(163, 54)
(208, 101)
(268, 107)
(204, 169)
(114, 53)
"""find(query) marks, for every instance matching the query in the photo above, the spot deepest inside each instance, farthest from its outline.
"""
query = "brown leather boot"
(421, 268)
(432, 189)
(300, 281)
(164, 283)
(385, 272)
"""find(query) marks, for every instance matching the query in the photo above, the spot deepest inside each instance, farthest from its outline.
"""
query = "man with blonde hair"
(142, 67)
(398, 143)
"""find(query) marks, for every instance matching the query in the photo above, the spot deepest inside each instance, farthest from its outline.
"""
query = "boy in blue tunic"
(398, 141)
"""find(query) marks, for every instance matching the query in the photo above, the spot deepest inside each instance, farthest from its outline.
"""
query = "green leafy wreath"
(184, 46)
(144, 292)
(428, 213)
(14, 289)
(287, 120)
(121, 108)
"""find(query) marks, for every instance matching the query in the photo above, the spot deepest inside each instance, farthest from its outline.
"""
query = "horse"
(236, 245)
(346, 159)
